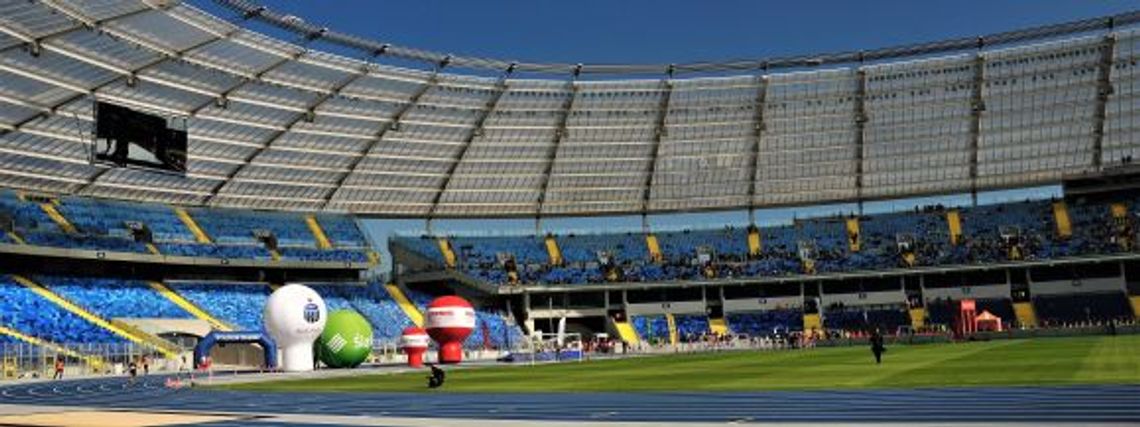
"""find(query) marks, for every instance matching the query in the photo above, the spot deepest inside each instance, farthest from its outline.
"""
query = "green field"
(1045, 361)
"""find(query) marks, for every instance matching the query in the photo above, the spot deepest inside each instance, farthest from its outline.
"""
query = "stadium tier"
(144, 228)
(993, 234)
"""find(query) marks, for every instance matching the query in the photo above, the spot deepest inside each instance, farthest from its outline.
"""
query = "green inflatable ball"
(346, 341)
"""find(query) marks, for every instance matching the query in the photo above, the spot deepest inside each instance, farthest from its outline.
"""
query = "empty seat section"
(691, 326)
(104, 217)
(1092, 308)
(25, 311)
(239, 304)
(227, 226)
(114, 298)
(765, 323)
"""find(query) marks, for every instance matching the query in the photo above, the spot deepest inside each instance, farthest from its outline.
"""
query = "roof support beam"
(310, 112)
(431, 82)
(34, 43)
(552, 152)
(1104, 90)
(476, 131)
(977, 107)
(658, 135)
(758, 128)
(860, 127)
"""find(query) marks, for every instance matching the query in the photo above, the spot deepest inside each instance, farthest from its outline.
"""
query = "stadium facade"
(323, 140)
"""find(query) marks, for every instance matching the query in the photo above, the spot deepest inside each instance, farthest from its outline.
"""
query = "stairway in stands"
(626, 332)
(448, 253)
(954, 222)
(195, 229)
(654, 247)
(319, 235)
(1061, 216)
(405, 304)
(190, 307)
(165, 347)
(718, 326)
(1025, 313)
(672, 322)
(58, 218)
(553, 251)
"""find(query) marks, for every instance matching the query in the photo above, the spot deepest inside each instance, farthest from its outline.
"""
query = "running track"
(1107, 403)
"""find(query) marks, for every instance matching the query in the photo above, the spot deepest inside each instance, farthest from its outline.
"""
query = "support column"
(977, 106)
(758, 128)
(860, 125)
(1104, 90)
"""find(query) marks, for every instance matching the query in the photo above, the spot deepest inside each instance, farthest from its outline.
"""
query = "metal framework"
(278, 124)
(1104, 90)
(290, 23)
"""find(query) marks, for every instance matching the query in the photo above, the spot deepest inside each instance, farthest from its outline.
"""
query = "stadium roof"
(278, 125)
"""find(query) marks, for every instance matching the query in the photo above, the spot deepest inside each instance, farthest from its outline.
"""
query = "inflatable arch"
(216, 337)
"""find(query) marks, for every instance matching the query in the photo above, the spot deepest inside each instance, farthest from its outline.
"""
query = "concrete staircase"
(954, 222)
(1061, 216)
(199, 235)
(405, 304)
(318, 232)
(1026, 315)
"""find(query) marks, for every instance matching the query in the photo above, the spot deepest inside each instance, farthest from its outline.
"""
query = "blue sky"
(664, 31)
(670, 31)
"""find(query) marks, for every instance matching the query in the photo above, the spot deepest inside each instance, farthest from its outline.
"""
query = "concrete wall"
(864, 298)
(682, 307)
(762, 304)
(963, 292)
(1077, 286)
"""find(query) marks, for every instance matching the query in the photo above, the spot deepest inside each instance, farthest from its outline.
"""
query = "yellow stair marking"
(754, 246)
(318, 233)
(406, 304)
(809, 265)
(553, 251)
(1135, 300)
(813, 321)
(954, 221)
(87, 315)
(274, 287)
(909, 258)
(59, 219)
(718, 325)
(273, 254)
(654, 247)
(1119, 211)
(16, 238)
(1026, 315)
(917, 317)
(150, 247)
(191, 224)
(672, 322)
(853, 231)
(627, 333)
(95, 362)
(1061, 216)
(190, 307)
(373, 257)
(445, 249)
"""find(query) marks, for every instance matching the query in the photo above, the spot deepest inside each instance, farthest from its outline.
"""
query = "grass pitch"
(1044, 361)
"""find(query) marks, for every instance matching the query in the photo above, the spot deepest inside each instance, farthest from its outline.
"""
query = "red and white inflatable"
(414, 342)
(450, 319)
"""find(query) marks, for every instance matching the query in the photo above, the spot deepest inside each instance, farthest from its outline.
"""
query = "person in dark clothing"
(877, 347)
(58, 368)
(436, 378)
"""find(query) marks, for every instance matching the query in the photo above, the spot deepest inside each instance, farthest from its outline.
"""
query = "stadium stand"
(239, 304)
(105, 225)
(112, 298)
(990, 234)
(25, 311)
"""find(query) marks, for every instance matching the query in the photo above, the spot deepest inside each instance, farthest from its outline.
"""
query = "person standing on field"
(877, 347)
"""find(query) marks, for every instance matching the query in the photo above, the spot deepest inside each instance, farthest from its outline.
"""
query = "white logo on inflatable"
(451, 317)
(294, 316)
